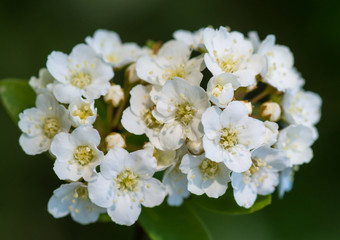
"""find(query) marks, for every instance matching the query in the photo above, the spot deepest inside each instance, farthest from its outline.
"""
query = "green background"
(30, 30)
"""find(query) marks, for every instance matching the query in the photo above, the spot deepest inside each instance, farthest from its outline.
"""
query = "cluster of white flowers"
(247, 121)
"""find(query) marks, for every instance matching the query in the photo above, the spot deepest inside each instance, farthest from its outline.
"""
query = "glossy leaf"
(168, 223)
(227, 205)
(16, 95)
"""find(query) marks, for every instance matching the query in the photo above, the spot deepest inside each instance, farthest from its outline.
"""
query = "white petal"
(233, 113)
(172, 137)
(124, 211)
(114, 162)
(154, 192)
(238, 159)
(34, 145)
(66, 93)
(57, 207)
(101, 191)
(244, 192)
(212, 150)
(57, 63)
(211, 122)
(132, 122)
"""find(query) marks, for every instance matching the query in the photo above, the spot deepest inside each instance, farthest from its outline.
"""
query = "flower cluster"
(246, 124)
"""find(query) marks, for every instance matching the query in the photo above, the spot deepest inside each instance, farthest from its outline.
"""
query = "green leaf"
(168, 223)
(227, 205)
(16, 95)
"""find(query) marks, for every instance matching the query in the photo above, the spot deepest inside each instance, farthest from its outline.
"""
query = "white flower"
(40, 124)
(230, 52)
(73, 199)
(76, 154)
(281, 73)
(81, 73)
(82, 112)
(138, 118)
(296, 141)
(164, 158)
(271, 111)
(221, 89)
(171, 61)
(175, 181)
(229, 135)
(108, 45)
(180, 108)
(272, 131)
(301, 107)
(42, 84)
(115, 140)
(205, 176)
(261, 178)
(286, 181)
(192, 39)
(125, 182)
(115, 95)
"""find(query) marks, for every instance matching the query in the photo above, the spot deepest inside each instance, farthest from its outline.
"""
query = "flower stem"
(260, 96)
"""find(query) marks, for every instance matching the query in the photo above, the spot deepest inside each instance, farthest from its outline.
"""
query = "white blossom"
(230, 52)
(205, 175)
(138, 118)
(175, 181)
(172, 60)
(221, 89)
(296, 141)
(125, 183)
(77, 155)
(73, 199)
(301, 107)
(82, 112)
(82, 73)
(229, 135)
(44, 83)
(261, 178)
(280, 73)
(41, 123)
(192, 39)
(108, 45)
(180, 108)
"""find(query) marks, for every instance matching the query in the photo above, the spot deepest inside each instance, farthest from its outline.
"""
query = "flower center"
(149, 120)
(83, 155)
(83, 112)
(230, 63)
(217, 90)
(257, 164)
(228, 138)
(112, 58)
(81, 80)
(209, 168)
(185, 113)
(175, 72)
(51, 127)
(82, 193)
(126, 181)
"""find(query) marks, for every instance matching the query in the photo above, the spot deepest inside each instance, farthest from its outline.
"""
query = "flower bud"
(195, 147)
(115, 95)
(270, 111)
(115, 140)
(131, 74)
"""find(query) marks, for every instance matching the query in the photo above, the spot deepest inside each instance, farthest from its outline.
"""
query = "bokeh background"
(30, 30)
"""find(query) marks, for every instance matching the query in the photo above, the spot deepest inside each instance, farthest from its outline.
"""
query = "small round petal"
(244, 191)
(124, 211)
(101, 191)
(154, 192)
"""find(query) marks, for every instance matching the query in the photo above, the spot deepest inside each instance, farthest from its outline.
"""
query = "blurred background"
(30, 30)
